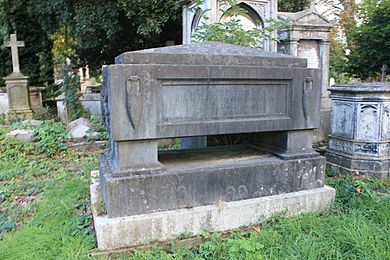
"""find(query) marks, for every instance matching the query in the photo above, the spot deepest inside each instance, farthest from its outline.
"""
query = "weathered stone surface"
(360, 129)
(3, 103)
(118, 233)
(199, 90)
(18, 97)
(79, 128)
(36, 100)
(90, 102)
(16, 83)
(192, 100)
(203, 177)
(21, 135)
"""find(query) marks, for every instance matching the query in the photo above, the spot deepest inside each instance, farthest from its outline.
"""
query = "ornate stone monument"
(359, 140)
(197, 90)
(307, 37)
(17, 85)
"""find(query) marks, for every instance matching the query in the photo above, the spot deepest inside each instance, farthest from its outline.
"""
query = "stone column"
(293, 47)
(187, 20)
(324, 65)
(322, 133)
(18, 97)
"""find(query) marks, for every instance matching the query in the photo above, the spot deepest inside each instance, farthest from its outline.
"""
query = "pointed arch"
(250, 16)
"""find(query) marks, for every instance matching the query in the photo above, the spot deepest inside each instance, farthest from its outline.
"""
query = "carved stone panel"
(385, 131)
(340, 145)
(367, 127)
(184, 101)
(342, 119)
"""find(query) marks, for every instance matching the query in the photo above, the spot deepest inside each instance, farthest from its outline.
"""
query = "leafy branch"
(231, 30)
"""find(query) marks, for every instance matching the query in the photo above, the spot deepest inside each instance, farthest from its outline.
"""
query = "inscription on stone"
(225, 100)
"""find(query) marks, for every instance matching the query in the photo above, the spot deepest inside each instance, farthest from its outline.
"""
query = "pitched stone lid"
(210, 53)
(361, 87)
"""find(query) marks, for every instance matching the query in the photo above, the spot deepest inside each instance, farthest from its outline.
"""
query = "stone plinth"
(200, 90)
(36, 100)
(359, 142)
(18, 97)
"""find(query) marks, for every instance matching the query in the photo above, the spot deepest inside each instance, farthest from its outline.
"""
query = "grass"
(358, 227)
(44, 214)
(44, 202)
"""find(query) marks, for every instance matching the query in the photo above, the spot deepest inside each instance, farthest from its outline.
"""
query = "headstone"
(359, 140)
(79, 128)
(36, 100)
(90, 102)
(16, 84)
(199, 90)
(3, 103)
(21, 135)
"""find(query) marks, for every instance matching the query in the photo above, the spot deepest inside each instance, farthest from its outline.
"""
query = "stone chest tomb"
(201, 90)
(359, 140)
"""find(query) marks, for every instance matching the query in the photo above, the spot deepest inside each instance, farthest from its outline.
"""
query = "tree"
(34, 57)
(292, 5)
(232, 31)
(371, 39)
(102, 30)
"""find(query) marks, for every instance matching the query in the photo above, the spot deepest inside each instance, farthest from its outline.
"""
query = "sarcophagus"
(202, 90)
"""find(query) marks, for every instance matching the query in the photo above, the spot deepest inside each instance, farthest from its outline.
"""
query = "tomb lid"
(210, 53)
(360, 87)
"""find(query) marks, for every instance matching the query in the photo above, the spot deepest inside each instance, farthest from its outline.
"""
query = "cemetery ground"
(45, 214)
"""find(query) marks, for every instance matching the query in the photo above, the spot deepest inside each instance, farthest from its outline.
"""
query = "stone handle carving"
(134, 100)
(308, 90)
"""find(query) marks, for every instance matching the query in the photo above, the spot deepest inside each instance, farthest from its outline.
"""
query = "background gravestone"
(17, 85)
(359, 141)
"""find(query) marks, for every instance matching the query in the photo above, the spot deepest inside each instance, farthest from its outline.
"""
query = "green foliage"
(45, 214)
(44, 200)
(231, 30)
(45, 113)
(99, 128)
(6, 225)
(97, 30)
(292, 5)
(35, 60)
(50, 137)
(2, 119)
(370, 38)
(70, 88)
(338, 67)
(356, 228)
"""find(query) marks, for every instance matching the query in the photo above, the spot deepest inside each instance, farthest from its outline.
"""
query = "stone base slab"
(22, 114)
(123, 232)
(372, 167)
(202, 177)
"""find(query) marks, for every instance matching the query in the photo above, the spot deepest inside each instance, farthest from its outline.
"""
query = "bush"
(45, 113)
(49, 136)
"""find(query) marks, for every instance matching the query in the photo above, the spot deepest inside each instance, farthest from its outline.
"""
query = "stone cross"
(14, 44)
(384, 72)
